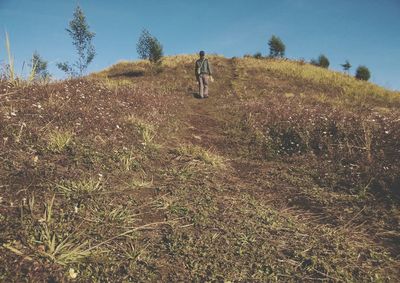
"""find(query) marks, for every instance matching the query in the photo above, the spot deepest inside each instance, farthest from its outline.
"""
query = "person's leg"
(201, 86)
(205, 78)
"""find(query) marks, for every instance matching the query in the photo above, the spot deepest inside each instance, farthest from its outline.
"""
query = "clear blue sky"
(366, 32)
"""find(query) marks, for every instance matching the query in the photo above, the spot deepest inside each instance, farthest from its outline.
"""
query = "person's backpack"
(201, 66)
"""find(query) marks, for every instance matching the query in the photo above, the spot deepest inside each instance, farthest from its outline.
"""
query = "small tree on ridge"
(82, 40)
(39, 66)
(276, 47)
(346, 66)
(148, 47)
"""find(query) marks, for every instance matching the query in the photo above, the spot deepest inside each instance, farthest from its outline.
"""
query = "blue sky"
(366, 32)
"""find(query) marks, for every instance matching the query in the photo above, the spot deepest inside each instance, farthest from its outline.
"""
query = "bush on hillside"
(258, 55)
(322, 61)
(362, 73)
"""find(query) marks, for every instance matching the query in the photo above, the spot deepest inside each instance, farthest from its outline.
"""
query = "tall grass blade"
(32, 73)
(10, 59)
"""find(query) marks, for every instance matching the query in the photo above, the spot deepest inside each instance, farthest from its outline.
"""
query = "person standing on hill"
(203, 74)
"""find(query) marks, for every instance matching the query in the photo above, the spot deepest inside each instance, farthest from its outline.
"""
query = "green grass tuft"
(200, 154)
(59, 140)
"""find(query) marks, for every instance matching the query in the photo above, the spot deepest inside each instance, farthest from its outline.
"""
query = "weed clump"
(200, 154)
(146, 130)
(81, 187)
(356, 144)
(59, 140)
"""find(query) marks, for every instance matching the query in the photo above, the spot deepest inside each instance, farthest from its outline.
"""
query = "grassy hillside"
(288, 172)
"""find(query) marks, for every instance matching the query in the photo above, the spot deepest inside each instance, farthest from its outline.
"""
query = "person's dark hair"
(202, 53)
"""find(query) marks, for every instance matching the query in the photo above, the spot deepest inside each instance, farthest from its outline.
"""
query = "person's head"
(202, 54)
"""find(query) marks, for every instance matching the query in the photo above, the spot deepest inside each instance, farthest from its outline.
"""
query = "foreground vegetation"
(288, 172)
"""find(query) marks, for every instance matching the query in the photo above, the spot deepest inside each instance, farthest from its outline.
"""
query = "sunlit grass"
(146, 130)
(179, 60)
(59, 140)
(85, 186)
(116, 84)
(55, 246)
(10, 74)
(11, 71)
(141, 67)
(198, 153)
(348, 85)
(129, 160)
(119, 214)
(124, 69)
(140, 182)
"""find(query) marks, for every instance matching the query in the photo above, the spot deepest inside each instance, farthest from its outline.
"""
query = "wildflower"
(72, 273)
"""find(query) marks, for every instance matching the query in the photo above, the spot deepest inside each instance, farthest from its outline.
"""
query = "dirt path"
(205, 120)
(206, 127)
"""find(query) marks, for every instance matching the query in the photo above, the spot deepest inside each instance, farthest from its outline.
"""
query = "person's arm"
(209, 68)
(196, 72)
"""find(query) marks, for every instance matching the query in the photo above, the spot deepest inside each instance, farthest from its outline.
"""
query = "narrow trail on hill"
(206, 121)
(206, 129)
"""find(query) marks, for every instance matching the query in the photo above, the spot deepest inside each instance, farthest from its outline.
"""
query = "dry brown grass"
(278, 176)
(347, 86)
